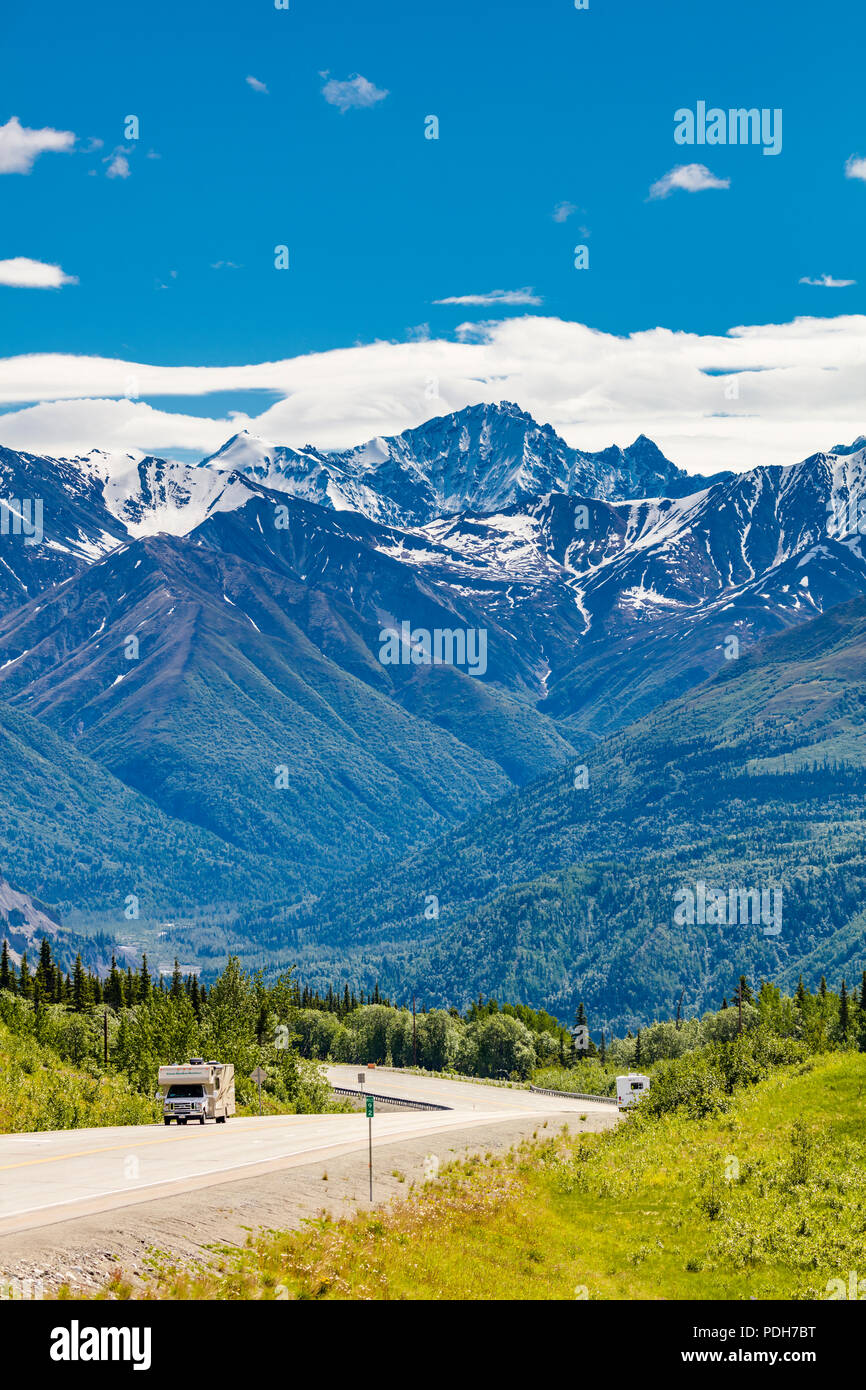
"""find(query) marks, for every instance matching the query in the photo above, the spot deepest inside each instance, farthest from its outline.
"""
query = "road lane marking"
(86, 1153)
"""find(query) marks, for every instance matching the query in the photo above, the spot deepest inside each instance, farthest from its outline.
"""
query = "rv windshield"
(185, 1092)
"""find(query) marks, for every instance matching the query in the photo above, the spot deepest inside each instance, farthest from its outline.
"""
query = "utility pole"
(414, 1036)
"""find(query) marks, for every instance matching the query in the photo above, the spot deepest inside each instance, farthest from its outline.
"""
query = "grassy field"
(768, 1199)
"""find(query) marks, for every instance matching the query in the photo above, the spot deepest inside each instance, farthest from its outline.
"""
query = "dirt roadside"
(85, 1252)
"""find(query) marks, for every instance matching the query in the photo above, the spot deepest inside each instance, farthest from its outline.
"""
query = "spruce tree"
(25, 982)
(45, 968)
(79, 987)
(844, 1013)
(743, 992)
(114, 991)
(6, 978)
(144, 982)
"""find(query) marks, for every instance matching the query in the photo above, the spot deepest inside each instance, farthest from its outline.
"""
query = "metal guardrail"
(390, 1100)
(573, 1095)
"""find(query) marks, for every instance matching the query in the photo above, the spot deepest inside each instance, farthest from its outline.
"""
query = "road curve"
(56, 1176)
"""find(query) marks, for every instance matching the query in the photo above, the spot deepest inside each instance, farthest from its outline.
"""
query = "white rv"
(197, 1090)
(630, 1089)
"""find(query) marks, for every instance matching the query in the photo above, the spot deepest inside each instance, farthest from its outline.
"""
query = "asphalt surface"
(71, 1174)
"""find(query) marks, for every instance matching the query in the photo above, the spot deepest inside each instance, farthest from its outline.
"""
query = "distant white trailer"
(630, 1088)
(197, 1090)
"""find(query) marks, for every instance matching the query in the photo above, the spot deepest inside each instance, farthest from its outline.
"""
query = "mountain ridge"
(258, 716)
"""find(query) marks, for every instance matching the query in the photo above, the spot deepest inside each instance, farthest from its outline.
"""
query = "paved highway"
(56, 1176)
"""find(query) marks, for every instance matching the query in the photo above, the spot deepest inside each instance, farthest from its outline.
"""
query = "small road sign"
(370, 1107)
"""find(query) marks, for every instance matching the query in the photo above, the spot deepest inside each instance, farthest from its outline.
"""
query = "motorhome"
(630, 1089)
(197, 1090)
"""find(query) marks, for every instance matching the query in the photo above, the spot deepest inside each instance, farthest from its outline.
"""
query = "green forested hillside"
(564, 891)
(74, 834)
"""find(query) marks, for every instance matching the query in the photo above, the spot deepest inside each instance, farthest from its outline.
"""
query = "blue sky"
(539, 105)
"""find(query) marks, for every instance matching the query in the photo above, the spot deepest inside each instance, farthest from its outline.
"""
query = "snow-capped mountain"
(479, 459)
(257, 585)
(53, 522)
(149, 495)
(590, 583)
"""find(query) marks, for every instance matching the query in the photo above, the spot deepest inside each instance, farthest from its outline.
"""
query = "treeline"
(82, 989)
(129, 1024)
(122, 989)
(518, 1043)
(786, 1027)
(501, 1041)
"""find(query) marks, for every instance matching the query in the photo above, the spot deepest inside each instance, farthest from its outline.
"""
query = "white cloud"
(855, 167)
(764, 394)
(826, 281)
(118, 165)
(20, 147)
(33, 275)
(525, 296)
(692, 178)
(563, 211)
(256, 85)
(356, 92)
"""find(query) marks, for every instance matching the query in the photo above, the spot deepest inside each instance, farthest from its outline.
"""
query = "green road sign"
(370, 1104)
